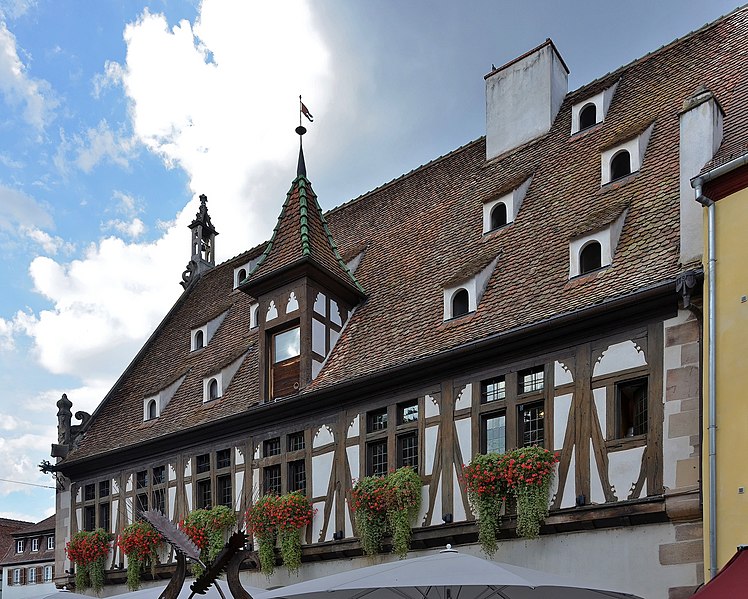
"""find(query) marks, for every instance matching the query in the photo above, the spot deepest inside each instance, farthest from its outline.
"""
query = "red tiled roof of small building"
(425, 228)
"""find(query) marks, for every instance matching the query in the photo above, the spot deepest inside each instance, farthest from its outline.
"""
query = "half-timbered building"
(537, 286)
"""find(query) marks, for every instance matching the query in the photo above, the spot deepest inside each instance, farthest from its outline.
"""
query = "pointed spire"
(301, 166)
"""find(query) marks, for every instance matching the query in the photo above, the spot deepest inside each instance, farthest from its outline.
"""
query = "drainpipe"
(712, 380)
(698, 184)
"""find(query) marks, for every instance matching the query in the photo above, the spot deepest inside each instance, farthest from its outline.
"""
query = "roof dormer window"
(622, 159)
(498, 216)
(503, 209)
(216, 384)
(464, 296)
(213, 392)
(242, 272)
(592, 110)
(460, 303)
(594, 251)
(587, 116)
(150, 409)
(590, 258)
(620, 165)
(201, 336)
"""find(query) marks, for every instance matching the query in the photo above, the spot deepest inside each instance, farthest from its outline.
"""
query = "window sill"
(626, 443)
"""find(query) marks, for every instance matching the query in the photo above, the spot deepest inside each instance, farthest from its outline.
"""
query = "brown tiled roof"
(302, 233)
(27, 531)
(7, 528)
(425, 228)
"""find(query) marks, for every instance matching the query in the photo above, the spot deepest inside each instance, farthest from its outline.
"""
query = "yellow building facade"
(724, 193)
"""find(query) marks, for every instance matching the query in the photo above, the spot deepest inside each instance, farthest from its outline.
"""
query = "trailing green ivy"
(207, 529)
(386, 504)
(487, 492)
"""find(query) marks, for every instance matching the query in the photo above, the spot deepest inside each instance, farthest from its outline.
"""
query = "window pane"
(318, 337)
(271, 480)
(377, 458)
(532, 420)
(296, 441)
(286, 345)
(377, 421)
(204, 495)
(104, 488)
(104, 516)
(531, 379)
(271, 447)
(159, 500)
(493, 389)
(203, 463)
(159, 475)
(407, 450)
(141, 504)
(632, 408)
(297, 476)
(89, 518)
(223, 458)
(89, 492)
(141, 479)
(223, 491)
(494, 433)
(407, 412)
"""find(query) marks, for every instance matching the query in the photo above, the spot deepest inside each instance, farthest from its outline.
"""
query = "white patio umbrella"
(444, 575)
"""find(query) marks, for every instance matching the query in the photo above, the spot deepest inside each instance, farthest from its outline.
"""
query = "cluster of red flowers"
(373, 494)
(87, 547)
(497, 474)
(285, 513)
(139, 541)
(196, 532)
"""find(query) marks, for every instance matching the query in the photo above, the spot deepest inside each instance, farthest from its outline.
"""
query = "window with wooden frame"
(48, 573)
(283, 463)
(394, 429)
(510, 410)
(631, 408)
(285, 362)
(104, 513)
(31, 578)
(94, 507)
(51, 541)
(20, 545)
(328, 318)
(34, 544)
(224, 489)
(203, 482)
(17, 576)
(158, 488)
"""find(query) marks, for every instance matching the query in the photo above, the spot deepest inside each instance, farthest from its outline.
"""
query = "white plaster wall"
(561, 374)
(172, 501)
(429, 449)
(238, 456)
(318, 521)
(212, 326)
(348, 524)
(323, 437)
(353, 428)
(171, 471)
(331, 522)
(561, 408)
(293, 303)
(462, 427)
(431, 406)
(352, 454)
(436, 517)
(238, 488)
(596, 488)
(598, 396)
(272, 312)
(458, 507)
(188, 493)
(321, 468)
(187, 469)
(619, 356)
(128, 483)
(569, 498)
(623, 470)
(421, 519)
(464, 397)
(700, 136)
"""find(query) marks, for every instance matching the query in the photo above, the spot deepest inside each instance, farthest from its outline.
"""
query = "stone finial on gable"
(203, 244)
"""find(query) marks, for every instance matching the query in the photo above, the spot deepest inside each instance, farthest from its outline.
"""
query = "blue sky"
(115, 115)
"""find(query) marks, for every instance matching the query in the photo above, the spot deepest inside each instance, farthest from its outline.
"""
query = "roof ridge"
(660, 50)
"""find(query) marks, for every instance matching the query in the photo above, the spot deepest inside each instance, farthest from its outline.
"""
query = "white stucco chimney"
(523, 98)
(700, 137)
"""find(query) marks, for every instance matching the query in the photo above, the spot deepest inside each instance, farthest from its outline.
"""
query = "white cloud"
(21, 210)
(20, 89)
(21, 456)
(7, 331)
(219, 99)
(50, 244)
(111, 77)
(131, 229)
(97, 144)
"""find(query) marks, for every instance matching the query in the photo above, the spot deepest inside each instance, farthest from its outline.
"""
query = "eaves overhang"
(651, 304)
